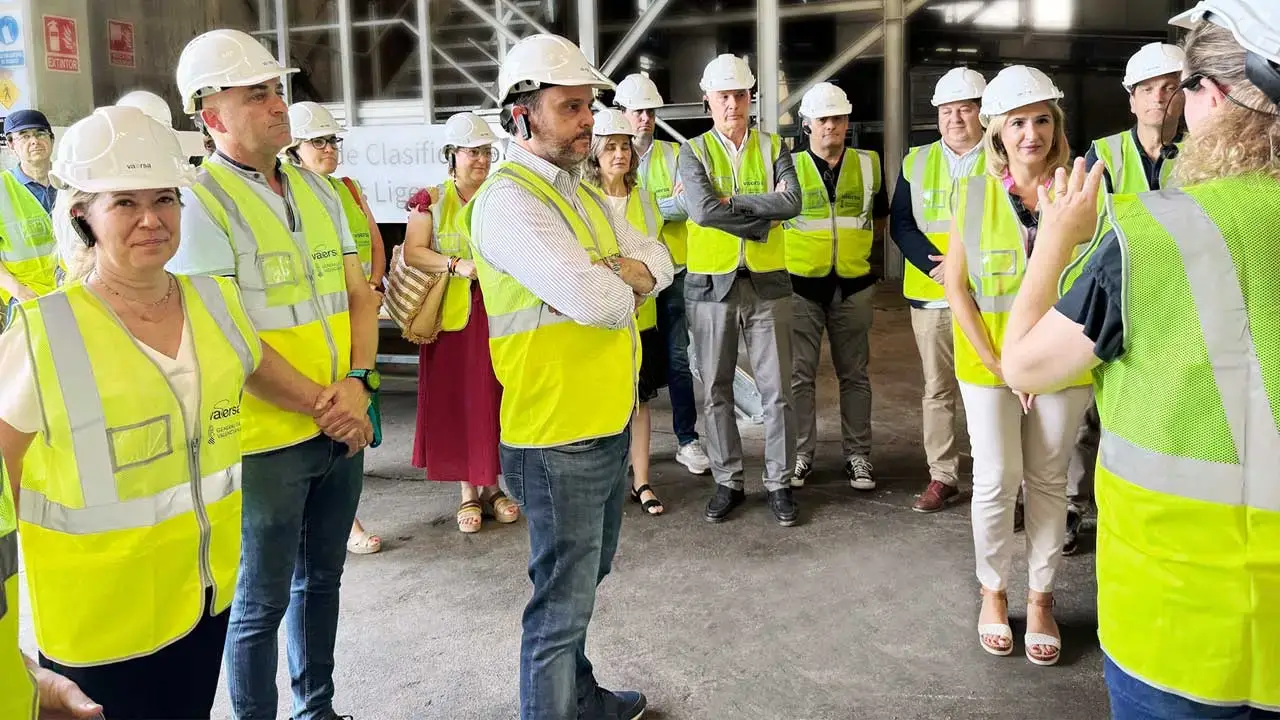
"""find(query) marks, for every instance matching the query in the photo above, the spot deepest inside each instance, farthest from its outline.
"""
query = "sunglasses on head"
(1192, 82)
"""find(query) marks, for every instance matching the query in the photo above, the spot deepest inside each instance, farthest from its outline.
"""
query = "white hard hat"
(727, 72)
(959, 84)
(150, 103)
(308, 120)
(1255, 23)
(1152, 61)
(221, 59)
(120, 148)
(612, 122)
(467, 130)
(1016, 86)
(546, 59)
(824, 100)
(637, 92)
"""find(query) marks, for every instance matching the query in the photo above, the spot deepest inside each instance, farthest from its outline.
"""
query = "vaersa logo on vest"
(224, 421)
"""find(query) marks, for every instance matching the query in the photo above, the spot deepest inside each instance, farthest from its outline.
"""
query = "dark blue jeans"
(674, 327)
(572, 500)
(298, 506)
(1132, 699)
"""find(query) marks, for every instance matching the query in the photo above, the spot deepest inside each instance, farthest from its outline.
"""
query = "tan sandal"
(501, 508)
(470, 516)
(1043, 640)
(997, 631)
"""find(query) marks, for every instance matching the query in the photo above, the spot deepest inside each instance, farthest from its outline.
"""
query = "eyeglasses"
(1193, 81)
(321, 142)
(476, 152)
(34, 135)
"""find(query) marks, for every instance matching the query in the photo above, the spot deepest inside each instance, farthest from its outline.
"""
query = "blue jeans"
(674, 327)
(1132, 699)
(572, 500)
(298, 506)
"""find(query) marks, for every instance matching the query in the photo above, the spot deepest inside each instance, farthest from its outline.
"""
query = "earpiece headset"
(84, 231)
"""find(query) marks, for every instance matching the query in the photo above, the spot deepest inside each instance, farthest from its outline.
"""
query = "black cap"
(26, 120)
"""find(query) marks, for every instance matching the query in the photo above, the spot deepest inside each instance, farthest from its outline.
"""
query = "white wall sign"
(391, 163)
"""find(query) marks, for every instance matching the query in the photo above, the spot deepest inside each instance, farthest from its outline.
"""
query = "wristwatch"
(372, 379)
(612, 262)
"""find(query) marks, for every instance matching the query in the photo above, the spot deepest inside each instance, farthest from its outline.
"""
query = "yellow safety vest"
(643, 215)
(27, 248)
(358, 222)
(931, 204)
(836, 233)
(450, 239)
(657, 174)
(997, 262)
(294, 287)
(715, 252)
(19, 698)
(1123, 158)
(1188, 475)
(561, 382)
(128, 514)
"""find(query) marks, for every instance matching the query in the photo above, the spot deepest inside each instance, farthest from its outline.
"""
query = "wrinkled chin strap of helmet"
(1265, 74)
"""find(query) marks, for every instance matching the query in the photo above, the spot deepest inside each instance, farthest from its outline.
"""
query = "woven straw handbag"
(414, 299)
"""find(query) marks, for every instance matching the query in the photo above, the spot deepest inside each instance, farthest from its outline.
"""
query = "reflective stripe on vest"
(996, 259)
(562, 382)
(27, 247)
(1124, 161)
(450, 240)
(658, 177)
(131, 513)
(833, 235)
(358, 222)
(643, 215)
(1188, 487)
(715, 252)
(293, 283)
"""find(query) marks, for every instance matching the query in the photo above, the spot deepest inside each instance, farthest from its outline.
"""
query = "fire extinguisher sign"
(61, 44)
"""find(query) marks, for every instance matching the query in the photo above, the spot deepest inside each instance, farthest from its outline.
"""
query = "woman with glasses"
(1175, 315)
(612, 167)
(1018, 439)
(458, 394)
(315, 147)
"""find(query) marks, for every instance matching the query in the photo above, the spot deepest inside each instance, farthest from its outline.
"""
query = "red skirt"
(458, 401)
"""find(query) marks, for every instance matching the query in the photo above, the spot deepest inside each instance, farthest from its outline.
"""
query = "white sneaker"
(694, 458)
(858, 470)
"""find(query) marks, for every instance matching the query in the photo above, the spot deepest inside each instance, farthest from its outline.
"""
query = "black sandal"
(647, 505)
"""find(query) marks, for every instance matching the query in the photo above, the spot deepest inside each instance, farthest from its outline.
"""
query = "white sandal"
(363, 544)
(1043, 640)
(999, 630)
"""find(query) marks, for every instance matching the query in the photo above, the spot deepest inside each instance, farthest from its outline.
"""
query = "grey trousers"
(1084, 459)
(765, 325)
(848, 321)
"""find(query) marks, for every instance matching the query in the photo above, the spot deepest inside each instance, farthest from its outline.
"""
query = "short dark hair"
(530, 99)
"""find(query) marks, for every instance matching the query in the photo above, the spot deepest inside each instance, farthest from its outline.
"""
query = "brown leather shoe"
(935, 497)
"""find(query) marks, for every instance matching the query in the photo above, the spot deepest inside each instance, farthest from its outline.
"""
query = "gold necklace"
(149, 312)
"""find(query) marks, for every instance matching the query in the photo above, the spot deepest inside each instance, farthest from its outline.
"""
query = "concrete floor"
(865, 611)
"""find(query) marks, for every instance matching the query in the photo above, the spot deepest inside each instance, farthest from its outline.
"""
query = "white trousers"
(1011, 449)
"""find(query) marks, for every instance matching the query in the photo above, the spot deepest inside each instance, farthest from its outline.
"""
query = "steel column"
(424, 61)
(895, 114)
(502, 39)
(347, 59)
(861, 45)
(492, 21)
(634, 35)
(589, 31)
(767, 64)
(282, 43)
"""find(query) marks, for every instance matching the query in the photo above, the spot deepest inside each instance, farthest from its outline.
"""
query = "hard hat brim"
(189, 103)
(844, 111)
(116, 184)
(641, 105)
(313, 135)
(1188, 19)
(937, 101)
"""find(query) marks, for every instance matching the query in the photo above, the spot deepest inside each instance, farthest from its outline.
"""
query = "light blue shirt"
(205, 248)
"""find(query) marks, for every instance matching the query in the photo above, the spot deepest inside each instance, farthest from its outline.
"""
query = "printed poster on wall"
(120, 40)
(61, 44)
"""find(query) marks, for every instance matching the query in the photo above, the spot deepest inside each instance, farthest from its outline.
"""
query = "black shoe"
(784, 507)
(606, 705)
(1071, 541)
(723, 503)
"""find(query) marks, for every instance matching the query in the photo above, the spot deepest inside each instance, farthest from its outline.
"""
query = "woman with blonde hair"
(612, 167)
(1017, 438)
(1175, 314)
(458, 394)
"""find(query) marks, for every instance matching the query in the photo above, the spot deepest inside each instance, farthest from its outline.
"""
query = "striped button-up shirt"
(521, 236)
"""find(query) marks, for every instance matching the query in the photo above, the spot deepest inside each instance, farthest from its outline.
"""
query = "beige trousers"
(937, 355)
